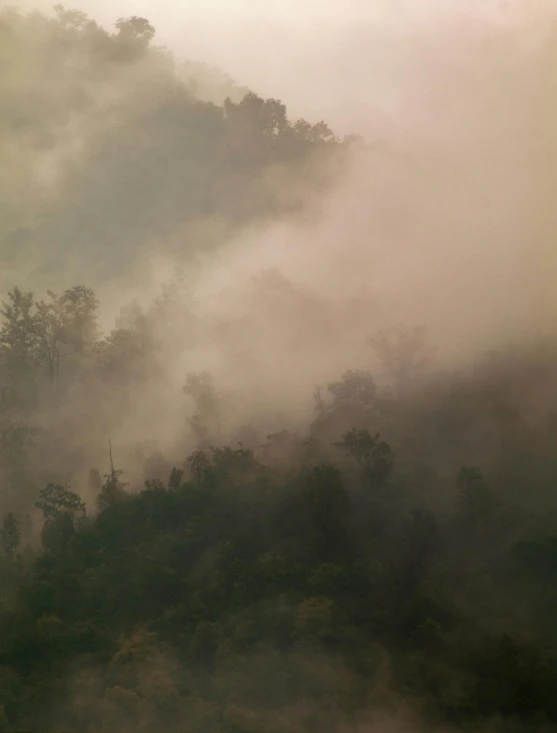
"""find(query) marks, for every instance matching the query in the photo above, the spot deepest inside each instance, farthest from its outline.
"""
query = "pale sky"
(346, 61)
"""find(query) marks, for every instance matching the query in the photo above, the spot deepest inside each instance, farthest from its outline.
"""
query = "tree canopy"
(110, 145)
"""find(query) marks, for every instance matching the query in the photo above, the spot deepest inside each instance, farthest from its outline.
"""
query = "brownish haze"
(447, 221)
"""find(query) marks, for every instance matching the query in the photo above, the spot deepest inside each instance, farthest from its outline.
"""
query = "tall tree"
(18, 335)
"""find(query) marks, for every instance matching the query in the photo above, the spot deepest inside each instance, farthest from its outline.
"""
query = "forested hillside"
(357, 571)
(110, 152)
(199, 530)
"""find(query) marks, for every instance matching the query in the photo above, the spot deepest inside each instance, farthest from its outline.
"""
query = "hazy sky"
(340, 60)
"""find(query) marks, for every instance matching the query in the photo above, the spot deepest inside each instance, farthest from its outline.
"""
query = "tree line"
(110, 149)
(304, 582)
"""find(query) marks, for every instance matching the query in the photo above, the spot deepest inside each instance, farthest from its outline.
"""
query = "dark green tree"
(374, 455)
(113, 489)
(56, 500)
(328, 505)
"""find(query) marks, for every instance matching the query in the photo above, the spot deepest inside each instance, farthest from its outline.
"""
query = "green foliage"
(199, 465)
(517, 680)
(186, 597)
(56, 501)
(112, 491)
(353, 403)
(326, 496)
(135, 29)
(191, 597)
(374, 455)
(40, 335)
(282, 587)
(356, 387)
(327, 504)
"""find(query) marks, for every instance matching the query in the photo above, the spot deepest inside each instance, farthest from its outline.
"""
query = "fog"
(446, 221)
(450, 225)
(359, 65)
(281, 380)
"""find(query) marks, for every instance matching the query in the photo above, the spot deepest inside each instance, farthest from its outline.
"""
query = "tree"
(253, 113)
(18, 335)
(65, 325)
(512, 678)
(62, 510)
(353, 402)
(56, 500)
(356, 387)
(135, 28)
(200, 466)
(134, 36)
(79, 310)
(420, 542)
(113, 490)
(373, 454)
(72, 20)
(320, 133)
(50, 331)
(328, 506)
(122, 357)
(175, 479)
(421, 539)
(42, 334)
(536, 558)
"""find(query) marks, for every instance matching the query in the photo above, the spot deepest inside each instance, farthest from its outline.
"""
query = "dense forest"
(188, 543)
